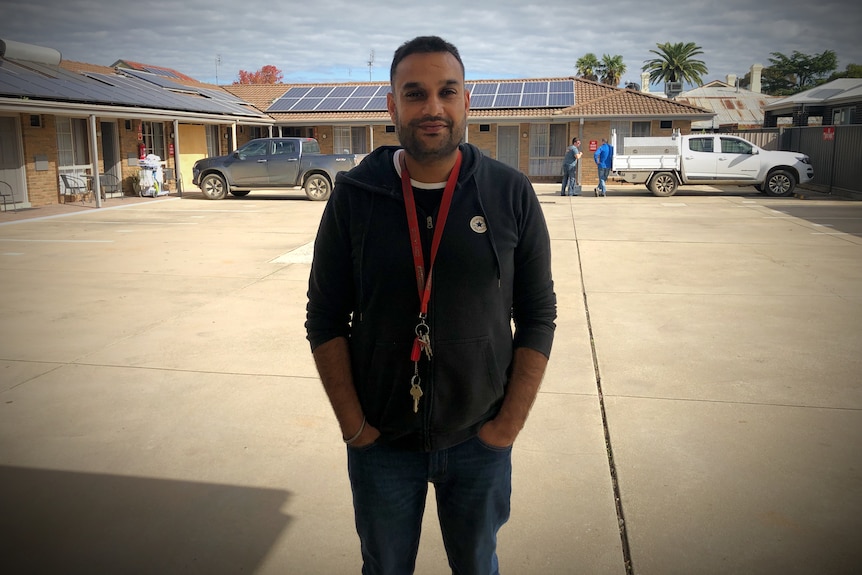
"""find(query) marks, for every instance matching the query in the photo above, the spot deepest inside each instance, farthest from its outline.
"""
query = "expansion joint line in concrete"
(624, 539)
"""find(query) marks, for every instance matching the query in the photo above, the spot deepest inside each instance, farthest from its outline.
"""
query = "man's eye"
(413, 95)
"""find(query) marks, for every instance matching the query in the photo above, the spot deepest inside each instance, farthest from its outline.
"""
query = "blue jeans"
(603, 176)
(473, 485)
(570, 179)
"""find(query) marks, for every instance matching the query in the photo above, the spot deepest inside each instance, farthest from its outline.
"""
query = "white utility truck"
(665, 163)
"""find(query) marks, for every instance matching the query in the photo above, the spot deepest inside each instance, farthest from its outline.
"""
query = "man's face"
(429, 105)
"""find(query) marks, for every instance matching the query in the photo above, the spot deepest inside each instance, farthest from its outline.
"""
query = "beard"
(423, 151)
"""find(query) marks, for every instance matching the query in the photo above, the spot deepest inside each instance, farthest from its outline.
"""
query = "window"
(734, 146)
(212, 141)
(72, 147)
(547, 148)
(254, 149)
(641, 129)
(348, 140)
(700, 144)
(626, 128)
(666, 124)
(154, 138)
(286, 148)
(390, 129)
(484, 127)
(844, 116)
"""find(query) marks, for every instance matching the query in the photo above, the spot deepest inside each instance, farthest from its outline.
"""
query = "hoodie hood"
(376, 172)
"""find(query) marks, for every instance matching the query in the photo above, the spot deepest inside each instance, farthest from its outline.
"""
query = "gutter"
(17, 105)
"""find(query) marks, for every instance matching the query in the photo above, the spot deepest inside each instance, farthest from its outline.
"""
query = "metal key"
(425, 343)
(415, 392)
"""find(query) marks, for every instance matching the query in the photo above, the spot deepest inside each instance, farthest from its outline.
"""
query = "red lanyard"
(423, 284)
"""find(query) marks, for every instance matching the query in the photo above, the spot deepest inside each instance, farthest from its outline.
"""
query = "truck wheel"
(213, 187)
(317, 188)
(663, 184)
(239, 193)
(779, 183)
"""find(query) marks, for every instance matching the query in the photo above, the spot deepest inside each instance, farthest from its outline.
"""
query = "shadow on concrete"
(842, 216)
(69, 522)
(285, 194)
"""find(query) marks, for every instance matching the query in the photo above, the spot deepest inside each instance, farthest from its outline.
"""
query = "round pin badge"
(477, 224)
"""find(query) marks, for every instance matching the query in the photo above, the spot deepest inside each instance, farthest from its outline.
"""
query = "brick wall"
(43, 187)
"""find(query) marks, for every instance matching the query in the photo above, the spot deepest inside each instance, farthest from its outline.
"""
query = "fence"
(835, 152)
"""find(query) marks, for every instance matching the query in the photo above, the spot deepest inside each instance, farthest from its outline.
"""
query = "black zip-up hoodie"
(493, 269)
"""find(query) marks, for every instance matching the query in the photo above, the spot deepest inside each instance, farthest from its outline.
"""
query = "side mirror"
(236, 155)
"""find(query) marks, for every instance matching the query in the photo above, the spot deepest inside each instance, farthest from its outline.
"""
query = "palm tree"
(587, 66)
(612, 69)
(676, 63)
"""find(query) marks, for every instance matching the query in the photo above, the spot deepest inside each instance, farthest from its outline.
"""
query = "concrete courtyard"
(702, 411)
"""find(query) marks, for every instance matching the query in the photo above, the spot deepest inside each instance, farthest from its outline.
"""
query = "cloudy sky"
(332, 40)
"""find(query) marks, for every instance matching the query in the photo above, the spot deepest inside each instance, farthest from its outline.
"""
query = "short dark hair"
(422, 45)
(574, 140)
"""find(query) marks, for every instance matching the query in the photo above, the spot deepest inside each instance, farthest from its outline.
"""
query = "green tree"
(676, 63)
(587, 66)
(851, 71)
(611, 69)
(791, 74)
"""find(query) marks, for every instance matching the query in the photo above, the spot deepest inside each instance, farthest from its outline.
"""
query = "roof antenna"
(217, 62)
(370, 64)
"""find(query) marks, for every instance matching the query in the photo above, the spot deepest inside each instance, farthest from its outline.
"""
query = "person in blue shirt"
(570, 169)
(604, 158)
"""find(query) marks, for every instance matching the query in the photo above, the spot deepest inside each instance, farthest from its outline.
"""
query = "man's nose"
(433, 105)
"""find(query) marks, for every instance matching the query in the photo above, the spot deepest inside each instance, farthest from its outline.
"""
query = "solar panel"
(534, 100)
(487, 95)
(376, 103)
(365, 91)
(155, 79)
(507, 101)
(485, 89)
(331, 104)
(511, 88)
(355, 103)
(306, 104)
(283, 104)
(561, 99)
(482, 101)
(298, 92)
(342, 91)
(319, 92)
(535, 87)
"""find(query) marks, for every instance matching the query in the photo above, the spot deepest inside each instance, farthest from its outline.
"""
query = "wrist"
(355, 436)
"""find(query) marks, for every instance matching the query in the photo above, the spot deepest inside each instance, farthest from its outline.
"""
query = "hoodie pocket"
(468, 383)
(385, 388)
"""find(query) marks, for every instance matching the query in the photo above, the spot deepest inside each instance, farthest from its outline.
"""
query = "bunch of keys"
(422, 339)
(420, 344)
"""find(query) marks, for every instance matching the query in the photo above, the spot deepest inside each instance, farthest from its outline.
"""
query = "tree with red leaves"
(269, 74)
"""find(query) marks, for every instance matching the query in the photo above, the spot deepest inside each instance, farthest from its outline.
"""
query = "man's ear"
(390, 106)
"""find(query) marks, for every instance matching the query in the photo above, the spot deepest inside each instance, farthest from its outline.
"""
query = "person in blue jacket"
(429, 382)
(603, 157)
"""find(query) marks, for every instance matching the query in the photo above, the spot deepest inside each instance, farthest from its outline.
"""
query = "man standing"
(428, 382)
(604, 158)
(571, 186)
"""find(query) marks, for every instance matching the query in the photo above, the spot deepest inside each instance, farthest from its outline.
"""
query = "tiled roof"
(261, 96)
(624, 102)
(83, 67)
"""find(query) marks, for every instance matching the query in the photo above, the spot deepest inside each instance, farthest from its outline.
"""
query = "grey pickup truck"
(267, 163)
